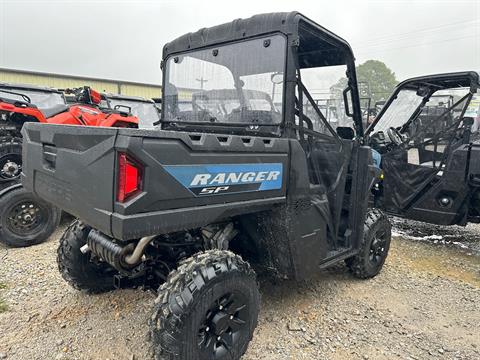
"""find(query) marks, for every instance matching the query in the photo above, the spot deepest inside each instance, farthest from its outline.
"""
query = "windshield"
(41, 99)
(400, 110)
(239, 83)
(146, 112)
(442, 109)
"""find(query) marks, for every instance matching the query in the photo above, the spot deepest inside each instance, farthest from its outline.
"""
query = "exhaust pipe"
(136, 256)
(120, 257)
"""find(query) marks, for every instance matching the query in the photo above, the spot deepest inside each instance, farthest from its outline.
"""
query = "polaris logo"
(234, 178)
(217, 179)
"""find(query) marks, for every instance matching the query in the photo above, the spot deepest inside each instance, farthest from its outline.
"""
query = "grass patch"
(3, 305)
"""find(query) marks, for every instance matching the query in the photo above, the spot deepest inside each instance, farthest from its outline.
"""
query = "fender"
(27, 110)
(10, 188)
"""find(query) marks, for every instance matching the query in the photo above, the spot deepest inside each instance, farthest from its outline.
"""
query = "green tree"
(375, 80)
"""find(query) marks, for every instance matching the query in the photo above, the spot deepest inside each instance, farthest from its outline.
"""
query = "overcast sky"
(124, 39)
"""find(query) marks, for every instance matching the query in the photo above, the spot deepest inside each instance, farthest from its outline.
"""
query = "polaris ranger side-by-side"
(188, 207)
(430, 150)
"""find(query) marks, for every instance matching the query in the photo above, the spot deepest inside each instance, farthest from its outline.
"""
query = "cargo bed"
(182, 184)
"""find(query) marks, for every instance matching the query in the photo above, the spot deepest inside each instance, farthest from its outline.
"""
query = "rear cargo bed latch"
(49, 156)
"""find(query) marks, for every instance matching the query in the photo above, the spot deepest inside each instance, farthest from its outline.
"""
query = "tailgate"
(73, 168)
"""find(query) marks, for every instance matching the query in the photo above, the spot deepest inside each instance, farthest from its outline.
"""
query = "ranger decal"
(219, 179)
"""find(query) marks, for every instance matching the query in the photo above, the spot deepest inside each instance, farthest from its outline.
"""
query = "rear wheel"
(374, 247)
(474, 209)
(207, 309)
(25, 219)
(79, 269)
(10, 159)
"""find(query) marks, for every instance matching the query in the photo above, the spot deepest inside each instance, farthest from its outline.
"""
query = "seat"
(55, 110)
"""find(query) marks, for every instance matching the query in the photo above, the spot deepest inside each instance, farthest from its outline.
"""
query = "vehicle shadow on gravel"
(322, 283)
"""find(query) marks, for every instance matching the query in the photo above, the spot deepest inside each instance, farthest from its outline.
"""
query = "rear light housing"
(95, 97)
(129, 177)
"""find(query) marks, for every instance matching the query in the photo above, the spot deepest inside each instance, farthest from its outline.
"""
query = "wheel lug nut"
(231, 317)
(219, 338)
(207, 329)
(220, 307)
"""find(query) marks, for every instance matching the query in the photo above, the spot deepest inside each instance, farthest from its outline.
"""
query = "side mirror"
(423, 91)
(345, 132)
(277, 78)
(345, 100)
(468, 121)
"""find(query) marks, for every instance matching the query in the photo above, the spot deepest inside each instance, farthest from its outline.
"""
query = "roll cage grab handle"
(304, 91)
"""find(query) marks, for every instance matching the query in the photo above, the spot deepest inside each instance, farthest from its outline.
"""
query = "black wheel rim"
(10, 167)
(224, 325)
(378, 248)
(26, 217)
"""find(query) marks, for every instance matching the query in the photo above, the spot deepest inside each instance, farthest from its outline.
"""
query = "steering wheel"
(395, 136)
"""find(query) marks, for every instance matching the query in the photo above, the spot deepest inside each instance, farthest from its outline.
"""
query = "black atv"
(429, 155)
(224, 184)
(24, 219)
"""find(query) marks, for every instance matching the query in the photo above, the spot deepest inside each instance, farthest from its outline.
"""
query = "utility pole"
(202, 81)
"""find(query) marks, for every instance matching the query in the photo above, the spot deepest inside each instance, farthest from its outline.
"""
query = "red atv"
(88, 111)
(24, 219)
(20, 103)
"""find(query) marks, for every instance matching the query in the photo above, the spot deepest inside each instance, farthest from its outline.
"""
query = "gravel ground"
(424, 305)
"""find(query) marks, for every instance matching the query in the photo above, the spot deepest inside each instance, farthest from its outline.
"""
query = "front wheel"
(374, 247)
(25, 219)
(207, 309)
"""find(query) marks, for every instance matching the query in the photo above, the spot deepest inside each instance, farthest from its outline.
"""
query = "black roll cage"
(298, 30)
(440, 82)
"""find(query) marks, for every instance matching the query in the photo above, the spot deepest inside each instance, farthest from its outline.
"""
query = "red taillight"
(129, 177)
(95, 96)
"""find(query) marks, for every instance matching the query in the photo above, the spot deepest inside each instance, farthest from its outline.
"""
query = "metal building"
(68, 81)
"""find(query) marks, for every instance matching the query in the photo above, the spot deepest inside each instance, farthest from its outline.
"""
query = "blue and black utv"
(244, 169)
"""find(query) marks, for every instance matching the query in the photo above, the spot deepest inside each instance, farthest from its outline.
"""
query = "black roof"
(443, 81)
(28, 87)
(283, 22)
